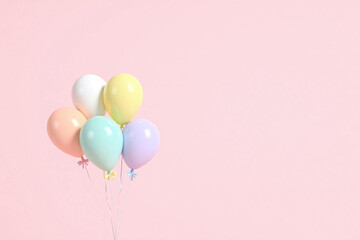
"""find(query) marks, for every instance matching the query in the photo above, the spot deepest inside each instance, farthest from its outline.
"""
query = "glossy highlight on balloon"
(123, 97)
(63, 128)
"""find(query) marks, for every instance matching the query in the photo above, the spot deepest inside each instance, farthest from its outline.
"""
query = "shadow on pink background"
(257, 103)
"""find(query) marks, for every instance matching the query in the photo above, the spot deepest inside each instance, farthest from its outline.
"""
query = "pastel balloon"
(123, 97)
(63, 128)
(87, 95)
(102, 141)
(141, 142)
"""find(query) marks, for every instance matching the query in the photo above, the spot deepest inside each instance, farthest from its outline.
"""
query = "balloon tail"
(132, 174)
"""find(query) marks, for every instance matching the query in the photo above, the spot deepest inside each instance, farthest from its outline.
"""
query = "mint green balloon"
(101, 140)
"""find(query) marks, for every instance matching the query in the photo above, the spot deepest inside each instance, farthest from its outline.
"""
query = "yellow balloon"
(123, 97)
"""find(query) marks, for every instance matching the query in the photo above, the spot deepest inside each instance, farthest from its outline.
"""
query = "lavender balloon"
(141, 142)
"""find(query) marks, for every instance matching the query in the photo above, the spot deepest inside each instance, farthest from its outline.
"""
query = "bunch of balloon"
(103, 140)
(85, 130)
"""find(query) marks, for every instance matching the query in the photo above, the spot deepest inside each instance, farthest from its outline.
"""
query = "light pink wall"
(257, 103)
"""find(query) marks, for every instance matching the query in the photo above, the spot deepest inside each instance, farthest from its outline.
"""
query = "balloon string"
(117, 213)
(123, 209)
(87, 172)
(117, 216)
(121, 166)
(96, 198)
(109, 206)
(121, 172)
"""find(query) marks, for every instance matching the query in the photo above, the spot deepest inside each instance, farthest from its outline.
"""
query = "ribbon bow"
(109, 175)
(132, 174)
(83, 162)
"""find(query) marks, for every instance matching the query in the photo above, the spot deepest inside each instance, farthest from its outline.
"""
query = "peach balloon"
(63, 128)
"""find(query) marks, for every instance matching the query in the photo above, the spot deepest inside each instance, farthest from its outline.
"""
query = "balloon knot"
(132, 174)
(109, 175)
(83, 162)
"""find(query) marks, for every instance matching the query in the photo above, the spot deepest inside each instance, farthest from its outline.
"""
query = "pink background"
(257, 103)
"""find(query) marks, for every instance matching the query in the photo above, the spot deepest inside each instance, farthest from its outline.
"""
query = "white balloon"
(87, 95)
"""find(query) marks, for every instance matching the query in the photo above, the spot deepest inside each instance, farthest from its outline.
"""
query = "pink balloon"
(63, 128)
